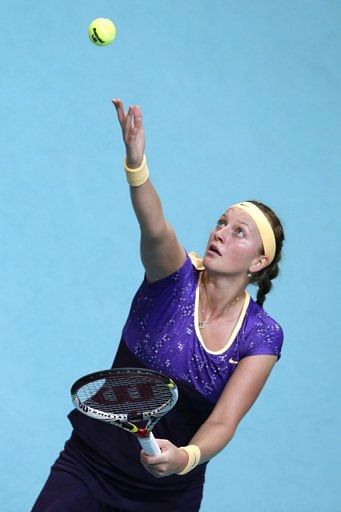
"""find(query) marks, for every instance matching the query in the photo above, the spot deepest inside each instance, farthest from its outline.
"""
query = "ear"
(259, 263)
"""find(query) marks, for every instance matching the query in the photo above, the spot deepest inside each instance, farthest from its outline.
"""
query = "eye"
(240, 233)
(221, 223)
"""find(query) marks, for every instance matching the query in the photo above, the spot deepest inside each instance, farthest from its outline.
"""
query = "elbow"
(155, 231)
(225, 431)
(228, 434)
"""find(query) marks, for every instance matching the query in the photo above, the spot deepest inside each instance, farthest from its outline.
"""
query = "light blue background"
(241, 100)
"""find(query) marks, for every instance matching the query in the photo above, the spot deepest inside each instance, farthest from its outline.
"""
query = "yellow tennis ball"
(102, 31)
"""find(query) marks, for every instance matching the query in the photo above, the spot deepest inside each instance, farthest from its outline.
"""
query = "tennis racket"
(134, 399)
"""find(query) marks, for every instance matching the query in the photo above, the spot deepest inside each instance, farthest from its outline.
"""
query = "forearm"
(211, 438)
(148, 210)
(238, 396)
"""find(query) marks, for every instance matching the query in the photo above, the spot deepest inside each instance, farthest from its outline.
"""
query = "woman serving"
(193, 320)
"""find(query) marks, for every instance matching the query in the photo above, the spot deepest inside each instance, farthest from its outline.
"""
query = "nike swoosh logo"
(232, 361)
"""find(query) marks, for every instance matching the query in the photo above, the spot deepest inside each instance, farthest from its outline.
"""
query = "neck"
(221, 291)
(219, 302)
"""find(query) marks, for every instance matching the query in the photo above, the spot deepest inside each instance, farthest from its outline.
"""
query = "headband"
(264, 227)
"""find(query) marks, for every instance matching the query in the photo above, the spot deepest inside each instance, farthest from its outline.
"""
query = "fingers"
(119, 110)
(137, 116)
(152, 463)
(152, 460)
(156, 466)
(131, 120)
(159, 465)
(125, 120)
(132, 132)
(165, 446)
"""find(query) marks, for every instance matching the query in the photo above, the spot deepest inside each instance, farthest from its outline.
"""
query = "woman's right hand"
(132, 132)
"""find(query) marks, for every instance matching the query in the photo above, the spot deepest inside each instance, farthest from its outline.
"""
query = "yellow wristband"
(138, 176)
(194, 455)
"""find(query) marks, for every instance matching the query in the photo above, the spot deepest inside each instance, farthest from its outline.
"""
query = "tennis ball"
(102, 31)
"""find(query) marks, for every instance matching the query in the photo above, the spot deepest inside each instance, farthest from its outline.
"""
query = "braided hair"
(264, 277)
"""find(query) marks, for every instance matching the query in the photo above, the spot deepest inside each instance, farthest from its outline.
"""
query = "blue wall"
(241, 100)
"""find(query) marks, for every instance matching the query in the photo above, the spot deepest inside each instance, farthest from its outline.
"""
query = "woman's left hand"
(172, 460)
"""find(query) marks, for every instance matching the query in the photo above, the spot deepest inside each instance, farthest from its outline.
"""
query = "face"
(234, 246)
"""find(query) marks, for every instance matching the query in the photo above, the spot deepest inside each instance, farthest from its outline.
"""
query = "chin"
(210, 264)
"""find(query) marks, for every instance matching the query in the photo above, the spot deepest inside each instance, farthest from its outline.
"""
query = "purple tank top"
(162, 332)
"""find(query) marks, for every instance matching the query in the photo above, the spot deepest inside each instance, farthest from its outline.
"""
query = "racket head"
(124, 396)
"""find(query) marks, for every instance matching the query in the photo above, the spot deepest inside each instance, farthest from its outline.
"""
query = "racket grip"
(149, 445)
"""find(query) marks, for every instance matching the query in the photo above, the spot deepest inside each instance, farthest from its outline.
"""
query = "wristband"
(194, 455)
(138, 176)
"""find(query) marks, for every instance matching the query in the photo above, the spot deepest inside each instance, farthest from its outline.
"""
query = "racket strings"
(123, 394)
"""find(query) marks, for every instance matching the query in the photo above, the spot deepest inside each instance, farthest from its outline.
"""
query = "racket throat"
(143, 433)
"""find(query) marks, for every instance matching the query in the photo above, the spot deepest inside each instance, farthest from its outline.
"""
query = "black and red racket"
(134, 399)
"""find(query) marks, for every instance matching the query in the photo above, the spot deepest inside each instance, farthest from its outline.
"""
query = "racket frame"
(128, 421)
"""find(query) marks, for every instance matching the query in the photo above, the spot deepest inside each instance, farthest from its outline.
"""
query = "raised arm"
(238, 396)
(161, 253)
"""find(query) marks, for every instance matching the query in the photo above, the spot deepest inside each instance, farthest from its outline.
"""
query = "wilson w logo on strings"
(139, 392)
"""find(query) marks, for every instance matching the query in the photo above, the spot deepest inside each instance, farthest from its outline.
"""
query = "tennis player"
(193, 320)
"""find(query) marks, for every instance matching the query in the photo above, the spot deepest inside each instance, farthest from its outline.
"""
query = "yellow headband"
(263, 225)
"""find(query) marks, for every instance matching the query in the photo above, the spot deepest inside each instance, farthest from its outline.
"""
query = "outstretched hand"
(132, 132)
(172, 460)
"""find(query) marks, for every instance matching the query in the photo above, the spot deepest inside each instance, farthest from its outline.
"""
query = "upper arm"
(161, 255)
(242, 390)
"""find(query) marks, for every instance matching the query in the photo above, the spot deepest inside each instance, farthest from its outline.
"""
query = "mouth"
(213, 249)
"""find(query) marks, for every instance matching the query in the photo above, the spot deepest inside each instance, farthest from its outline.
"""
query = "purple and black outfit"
(99, 468)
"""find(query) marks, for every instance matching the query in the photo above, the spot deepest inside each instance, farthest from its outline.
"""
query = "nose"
(221, 234)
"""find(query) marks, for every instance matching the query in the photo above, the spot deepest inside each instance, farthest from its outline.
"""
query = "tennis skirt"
(81, 481)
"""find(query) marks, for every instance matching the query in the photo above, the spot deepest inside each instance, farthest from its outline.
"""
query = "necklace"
(205, 321)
